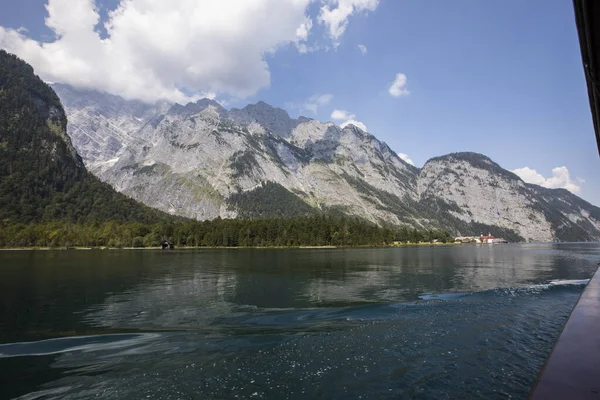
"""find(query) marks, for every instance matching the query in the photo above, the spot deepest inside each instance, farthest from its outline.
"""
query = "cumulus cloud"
(335, 15)
(398, 88)
(560, 178)
(177, 50)
(348, 118)
(341, 115)
(407, 159)
(357, 124)
(363, 49)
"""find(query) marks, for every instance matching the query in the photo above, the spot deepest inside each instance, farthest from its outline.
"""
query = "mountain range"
(203, 161)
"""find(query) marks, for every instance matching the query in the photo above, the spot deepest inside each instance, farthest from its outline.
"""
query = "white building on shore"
(481, 239)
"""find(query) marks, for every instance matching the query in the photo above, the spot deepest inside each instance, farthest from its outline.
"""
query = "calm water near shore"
(411, 322)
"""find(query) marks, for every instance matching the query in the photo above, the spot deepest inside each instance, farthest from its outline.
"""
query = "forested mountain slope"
(42, 178)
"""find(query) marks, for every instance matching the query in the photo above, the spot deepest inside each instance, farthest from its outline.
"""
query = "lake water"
(412, 322)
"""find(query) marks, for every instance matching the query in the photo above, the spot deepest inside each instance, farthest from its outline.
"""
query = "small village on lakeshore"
(481, 239)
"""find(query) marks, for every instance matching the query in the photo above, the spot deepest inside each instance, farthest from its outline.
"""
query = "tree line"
(305, 231)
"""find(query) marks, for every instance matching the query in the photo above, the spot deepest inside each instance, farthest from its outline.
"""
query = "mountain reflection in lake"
(410, 322)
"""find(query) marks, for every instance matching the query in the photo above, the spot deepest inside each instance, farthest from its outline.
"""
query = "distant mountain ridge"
(203, 161)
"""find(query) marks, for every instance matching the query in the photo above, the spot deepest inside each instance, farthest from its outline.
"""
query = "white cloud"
(407, 159)
(363, 49)
(398, 88)
(311, 104)
(317, 100)
(357, 124)
(336, 17)
(340, 115)
(348, 118)
(560, 178)
(303, 30)
(176, 50)
(302, 35)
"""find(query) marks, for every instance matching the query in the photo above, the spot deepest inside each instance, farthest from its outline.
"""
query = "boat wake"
(252, 321)
(511, 291)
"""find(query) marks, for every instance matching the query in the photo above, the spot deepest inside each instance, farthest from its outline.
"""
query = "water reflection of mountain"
(192, 293)
(405, 273)
(43, 293)
(194, 289)
(486, 267)
(47, 294)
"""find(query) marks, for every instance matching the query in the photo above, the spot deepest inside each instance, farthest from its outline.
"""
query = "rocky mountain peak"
(197, 107)
(468, 156)
(473, 160)
(302, 119)
(274, 119)
(354, 129)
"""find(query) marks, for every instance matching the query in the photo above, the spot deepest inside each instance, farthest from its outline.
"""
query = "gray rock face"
(192, 160)
(273, 119)
(101, 124)
(477, 189)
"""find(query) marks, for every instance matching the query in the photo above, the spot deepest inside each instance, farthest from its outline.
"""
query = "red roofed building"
(486, 239)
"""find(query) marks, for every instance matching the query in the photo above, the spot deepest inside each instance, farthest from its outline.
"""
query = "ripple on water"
(487, 344)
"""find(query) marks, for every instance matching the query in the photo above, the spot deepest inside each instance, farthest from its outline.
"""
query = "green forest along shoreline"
(296, 232)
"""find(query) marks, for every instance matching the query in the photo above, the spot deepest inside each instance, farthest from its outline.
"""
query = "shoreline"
(308, 247)
(84, 248)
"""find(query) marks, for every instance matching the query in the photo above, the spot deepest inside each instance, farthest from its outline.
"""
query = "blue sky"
(503, 78)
